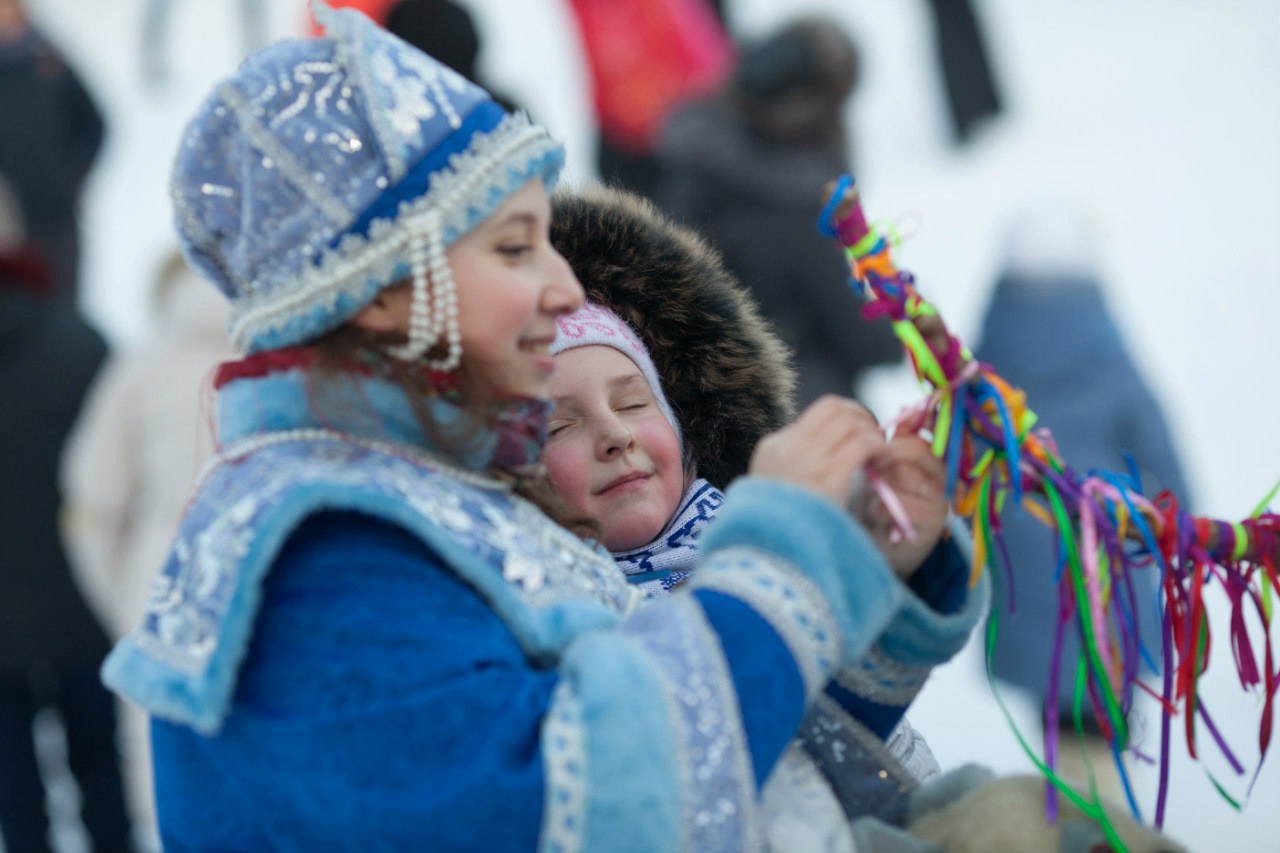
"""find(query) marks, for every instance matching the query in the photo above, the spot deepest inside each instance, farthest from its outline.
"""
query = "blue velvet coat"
(356, 645)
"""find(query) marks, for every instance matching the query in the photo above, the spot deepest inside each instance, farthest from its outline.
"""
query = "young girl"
(364, 638)
(619, 455)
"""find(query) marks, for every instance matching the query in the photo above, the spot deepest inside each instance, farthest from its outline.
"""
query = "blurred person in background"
(747, 167)
(644, 57)
(50, 644)
(1048, 331)
(964, 61)
(445, 30)
(142, 437)
(53, 131)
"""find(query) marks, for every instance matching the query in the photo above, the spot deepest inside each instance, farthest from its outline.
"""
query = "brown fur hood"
(726, 374)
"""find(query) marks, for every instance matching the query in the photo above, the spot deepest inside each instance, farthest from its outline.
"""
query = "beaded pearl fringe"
(433, 308)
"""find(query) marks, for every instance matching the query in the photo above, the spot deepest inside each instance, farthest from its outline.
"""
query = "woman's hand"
(821, 450)
(918, 479)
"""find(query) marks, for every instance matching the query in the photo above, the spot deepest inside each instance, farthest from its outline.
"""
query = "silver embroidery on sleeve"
(564, 756)
(191, 598)
(880, 678)
(779, 592)
(719, 789)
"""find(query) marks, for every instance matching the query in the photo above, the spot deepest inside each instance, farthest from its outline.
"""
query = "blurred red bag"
(646, 55)
(375, 9)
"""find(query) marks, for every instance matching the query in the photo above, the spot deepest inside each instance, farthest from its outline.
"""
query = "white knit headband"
(596, 325)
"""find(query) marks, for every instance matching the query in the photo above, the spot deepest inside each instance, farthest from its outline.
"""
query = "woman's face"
(612, 456)
(512, 285)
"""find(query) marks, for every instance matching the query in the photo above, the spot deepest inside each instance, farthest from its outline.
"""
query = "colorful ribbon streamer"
(1105, 527)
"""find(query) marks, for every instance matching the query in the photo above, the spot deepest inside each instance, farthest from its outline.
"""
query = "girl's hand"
(821, 450)
(918, 478)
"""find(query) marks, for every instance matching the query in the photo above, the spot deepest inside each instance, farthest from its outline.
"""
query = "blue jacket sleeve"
(383, 705)
(938, 614)
(801, 565)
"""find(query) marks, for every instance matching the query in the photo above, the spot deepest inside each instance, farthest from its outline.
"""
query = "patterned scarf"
(666, 561)
(274, 390)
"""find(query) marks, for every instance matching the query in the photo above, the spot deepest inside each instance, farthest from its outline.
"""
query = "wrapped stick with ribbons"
(1107, 530)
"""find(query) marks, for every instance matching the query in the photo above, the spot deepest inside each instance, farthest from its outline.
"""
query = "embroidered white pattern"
(718, 786)
(191, 598)
(880, 678)
(412, 88)
(781, 593)
(564, 757)
(283, 160)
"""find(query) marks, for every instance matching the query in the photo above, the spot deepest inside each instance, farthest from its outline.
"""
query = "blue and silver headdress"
(325, 169)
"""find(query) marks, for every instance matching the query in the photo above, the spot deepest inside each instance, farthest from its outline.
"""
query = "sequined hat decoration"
(325, 169)
(596, 325)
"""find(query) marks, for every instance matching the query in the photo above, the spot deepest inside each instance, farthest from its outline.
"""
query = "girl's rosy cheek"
(567, 471)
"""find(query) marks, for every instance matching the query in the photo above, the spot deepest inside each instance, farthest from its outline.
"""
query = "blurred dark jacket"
(48, 356)
(445, 30)
(757, 202)
(1054, 338)
(973, 95)
(52, 133)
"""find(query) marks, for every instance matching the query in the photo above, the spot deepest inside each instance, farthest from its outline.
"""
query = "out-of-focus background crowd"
(1089, 191)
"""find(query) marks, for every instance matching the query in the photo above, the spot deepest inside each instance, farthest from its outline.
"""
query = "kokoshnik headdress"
(325, 169)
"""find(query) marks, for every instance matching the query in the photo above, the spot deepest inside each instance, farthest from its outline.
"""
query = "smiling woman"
(363, 636)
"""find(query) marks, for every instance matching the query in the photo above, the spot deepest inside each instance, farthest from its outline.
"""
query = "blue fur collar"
(378, 409)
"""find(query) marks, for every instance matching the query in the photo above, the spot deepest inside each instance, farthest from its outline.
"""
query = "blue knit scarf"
(659, 566)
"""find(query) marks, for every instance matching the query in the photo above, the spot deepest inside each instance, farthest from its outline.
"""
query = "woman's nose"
(563, 293)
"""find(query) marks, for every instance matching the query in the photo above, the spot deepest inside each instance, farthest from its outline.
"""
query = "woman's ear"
(388, 312)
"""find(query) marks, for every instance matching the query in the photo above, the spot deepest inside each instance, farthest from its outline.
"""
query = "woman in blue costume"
(366, 637)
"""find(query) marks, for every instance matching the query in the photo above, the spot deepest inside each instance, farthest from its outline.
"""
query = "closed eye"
(515, 251)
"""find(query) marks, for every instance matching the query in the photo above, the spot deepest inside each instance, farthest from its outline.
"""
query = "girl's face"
(612, 456)
(512, 285)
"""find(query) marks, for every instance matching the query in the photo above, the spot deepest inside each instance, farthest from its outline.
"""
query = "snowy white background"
(1160, 117)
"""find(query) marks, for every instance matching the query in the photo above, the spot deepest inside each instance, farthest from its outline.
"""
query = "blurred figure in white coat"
(129, 464)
